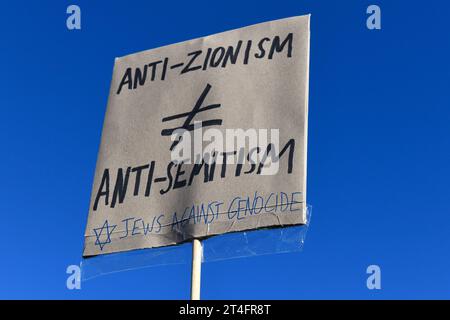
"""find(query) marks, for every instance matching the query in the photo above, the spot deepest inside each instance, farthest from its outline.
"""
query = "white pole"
(196, 269)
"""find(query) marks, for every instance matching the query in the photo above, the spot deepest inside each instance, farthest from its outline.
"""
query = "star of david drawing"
(104, 233)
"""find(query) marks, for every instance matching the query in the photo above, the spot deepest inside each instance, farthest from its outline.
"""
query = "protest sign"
(203, 137)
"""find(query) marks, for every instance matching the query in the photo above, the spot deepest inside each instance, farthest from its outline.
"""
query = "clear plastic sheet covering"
(216, 248)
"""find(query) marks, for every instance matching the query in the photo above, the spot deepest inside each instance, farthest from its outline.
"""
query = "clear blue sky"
(379, 147)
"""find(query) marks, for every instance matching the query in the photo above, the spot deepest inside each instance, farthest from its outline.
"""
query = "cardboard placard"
(223, 90)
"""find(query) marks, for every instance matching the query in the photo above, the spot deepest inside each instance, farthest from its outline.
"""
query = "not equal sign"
(188, 125)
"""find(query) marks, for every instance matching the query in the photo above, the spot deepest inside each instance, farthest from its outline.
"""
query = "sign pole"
(196, 269)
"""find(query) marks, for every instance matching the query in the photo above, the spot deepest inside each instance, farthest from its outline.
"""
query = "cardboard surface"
(250, 78)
